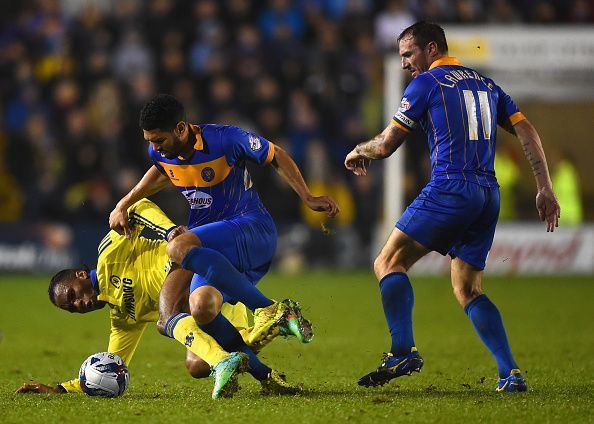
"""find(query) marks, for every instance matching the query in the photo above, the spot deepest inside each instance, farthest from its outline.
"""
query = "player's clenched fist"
(118, 221)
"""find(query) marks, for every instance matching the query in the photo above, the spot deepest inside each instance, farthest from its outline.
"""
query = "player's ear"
(432, 48)
(82, 274)
(180, 127)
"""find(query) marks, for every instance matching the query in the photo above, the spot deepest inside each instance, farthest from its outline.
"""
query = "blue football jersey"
(214, 179)
(459, 110)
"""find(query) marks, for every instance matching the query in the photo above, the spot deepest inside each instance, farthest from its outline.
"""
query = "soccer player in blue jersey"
(456, 213)
(231, 238)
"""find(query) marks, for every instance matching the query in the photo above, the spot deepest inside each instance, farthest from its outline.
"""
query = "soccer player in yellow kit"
(129, 276)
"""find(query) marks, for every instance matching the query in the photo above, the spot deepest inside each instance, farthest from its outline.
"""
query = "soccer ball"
(104, 374)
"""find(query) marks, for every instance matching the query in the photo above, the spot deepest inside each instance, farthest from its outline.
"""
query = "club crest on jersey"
(404, 105)
(208, 174)
(197, 199)
(115, 281)
(255, 143)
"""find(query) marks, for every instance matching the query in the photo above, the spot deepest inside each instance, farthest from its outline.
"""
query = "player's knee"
(383, 266)
(197, 368)
(203, 308)
(174, 250)
(161, 326)
(465, 295)
(178, 248)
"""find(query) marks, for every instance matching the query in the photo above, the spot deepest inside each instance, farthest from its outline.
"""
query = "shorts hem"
(442, 252)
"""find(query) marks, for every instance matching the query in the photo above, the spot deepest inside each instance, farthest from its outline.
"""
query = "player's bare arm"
(379, 147)
(152, 182)
(39, 388)
(287, 168)
(546, 201)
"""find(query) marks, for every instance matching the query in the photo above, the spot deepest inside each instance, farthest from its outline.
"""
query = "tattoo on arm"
(373, 148)
(535, 163)
(382, 145)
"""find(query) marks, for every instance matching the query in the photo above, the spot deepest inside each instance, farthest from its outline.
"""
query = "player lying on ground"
(129, 276)
(456, 213)
(231, 238)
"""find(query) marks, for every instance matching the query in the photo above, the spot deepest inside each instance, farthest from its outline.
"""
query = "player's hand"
(176, 232)
(323, 204)
(118, 221)
(356, 163)
(548, 208)
(37, 388)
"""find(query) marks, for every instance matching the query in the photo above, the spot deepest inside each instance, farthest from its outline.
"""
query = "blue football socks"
(221, 274)
(398, 300)
(488, 324)
(229, 338)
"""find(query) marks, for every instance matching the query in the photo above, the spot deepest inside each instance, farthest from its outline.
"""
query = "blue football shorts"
(247, 241)
(454, 217)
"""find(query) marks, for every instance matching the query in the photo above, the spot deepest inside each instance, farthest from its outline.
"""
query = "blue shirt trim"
(94, 280)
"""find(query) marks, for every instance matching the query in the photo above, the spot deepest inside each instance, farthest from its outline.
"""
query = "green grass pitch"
(550, 324)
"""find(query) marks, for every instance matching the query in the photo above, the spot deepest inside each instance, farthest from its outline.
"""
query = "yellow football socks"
(185, 330)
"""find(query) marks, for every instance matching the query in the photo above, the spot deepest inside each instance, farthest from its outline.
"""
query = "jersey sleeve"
(414, 104)
(124, 338)
(71, 386)
(145, 213)
(508, 113)
(240, 144)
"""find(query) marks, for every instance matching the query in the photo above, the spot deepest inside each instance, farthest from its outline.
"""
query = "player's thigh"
(222, 237)
(398, 254)
(248, 242)
(475, 242)
(440, 214)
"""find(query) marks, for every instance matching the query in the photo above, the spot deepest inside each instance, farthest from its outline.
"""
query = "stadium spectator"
(392, 20)
(56, 56)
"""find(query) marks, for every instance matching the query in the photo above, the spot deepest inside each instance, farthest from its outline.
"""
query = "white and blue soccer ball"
(104, 374)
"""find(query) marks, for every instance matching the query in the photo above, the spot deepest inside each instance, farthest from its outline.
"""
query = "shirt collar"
(94, 280)
(199, 145)
(445, 61)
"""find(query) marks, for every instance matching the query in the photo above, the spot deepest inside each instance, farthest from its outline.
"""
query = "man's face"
(414, 59)
(168, 143)
(77, 295)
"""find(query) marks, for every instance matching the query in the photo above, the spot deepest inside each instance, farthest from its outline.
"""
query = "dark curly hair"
(162, 112)
(424, 33)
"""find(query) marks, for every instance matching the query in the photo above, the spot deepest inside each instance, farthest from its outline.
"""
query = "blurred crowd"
(304, 74)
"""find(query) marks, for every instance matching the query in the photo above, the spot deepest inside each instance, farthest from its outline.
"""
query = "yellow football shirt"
(130, 274)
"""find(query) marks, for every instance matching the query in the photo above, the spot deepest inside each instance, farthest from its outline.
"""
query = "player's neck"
(435, 58)
(188, 146)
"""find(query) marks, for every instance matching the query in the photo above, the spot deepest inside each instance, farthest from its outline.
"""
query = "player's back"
(459, 110)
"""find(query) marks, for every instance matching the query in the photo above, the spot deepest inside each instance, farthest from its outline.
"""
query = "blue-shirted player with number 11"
(456, 213)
